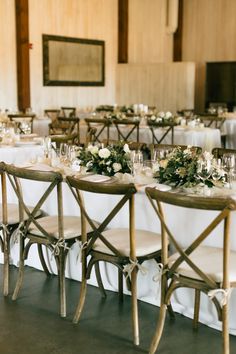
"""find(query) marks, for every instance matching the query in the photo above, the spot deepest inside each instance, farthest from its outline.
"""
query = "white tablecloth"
(192, 222)
(40, 126)
(206, 138)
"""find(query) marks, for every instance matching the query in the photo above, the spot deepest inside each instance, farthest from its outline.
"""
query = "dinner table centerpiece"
(107, 160)
(189, 168)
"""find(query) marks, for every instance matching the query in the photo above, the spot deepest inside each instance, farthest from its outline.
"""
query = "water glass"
(47, 146)
(135, 162)
(64, 152)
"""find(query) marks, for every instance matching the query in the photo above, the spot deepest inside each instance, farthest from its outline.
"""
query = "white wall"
(93, 19)
(8, 90)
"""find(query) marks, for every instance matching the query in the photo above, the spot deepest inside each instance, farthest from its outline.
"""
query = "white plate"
(163, 187)
(28, 136)
(96, 178)
(25, 143)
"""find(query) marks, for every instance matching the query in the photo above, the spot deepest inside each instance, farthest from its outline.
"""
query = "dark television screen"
(221, 83)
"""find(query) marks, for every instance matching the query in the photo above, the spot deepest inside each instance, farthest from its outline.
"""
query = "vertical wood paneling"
(8, 91)
(169, 86)
(209, 30)
(148, 39)
(93, 19)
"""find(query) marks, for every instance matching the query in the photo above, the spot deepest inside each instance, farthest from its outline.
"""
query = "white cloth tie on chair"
(128, 268)
(59, 244)
(17, 232)
(225, 295)
(82, 247)
(5, 228)
(158, 275)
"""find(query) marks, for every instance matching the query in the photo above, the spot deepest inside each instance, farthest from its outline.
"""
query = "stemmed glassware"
(64, 152)
(217, 169)
(204, 170)
(135, 163)
(228, 162)
(47, 146)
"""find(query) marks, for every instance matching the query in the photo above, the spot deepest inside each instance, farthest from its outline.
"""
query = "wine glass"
(217, 169)
(204, 169)
(64, 150)
(228, 161)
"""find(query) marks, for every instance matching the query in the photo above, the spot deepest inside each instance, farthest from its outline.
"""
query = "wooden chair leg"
(42, 260)
(159, 329)
(83, 289)
(6, 250)
(61, 274)
(99, 279)
(134, 306)
(120, 284)
(20, 271)
(196, 308)
(171, 312)
(225, 329)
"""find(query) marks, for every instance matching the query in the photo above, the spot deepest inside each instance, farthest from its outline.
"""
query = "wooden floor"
(31, 324)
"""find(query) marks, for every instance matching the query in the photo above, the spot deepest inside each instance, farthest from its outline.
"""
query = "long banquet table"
(207, 138)
(148, 290)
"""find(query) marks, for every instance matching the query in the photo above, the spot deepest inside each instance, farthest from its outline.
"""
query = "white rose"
(116, 166)
(153, 117)
(161, 114)
(126, 148)
(207, 156)
(168, 115)
(104, 153)
(93, 149)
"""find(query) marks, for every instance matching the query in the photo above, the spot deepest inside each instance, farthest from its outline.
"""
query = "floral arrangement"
(105, 160)
(181, 168)
(162, 117)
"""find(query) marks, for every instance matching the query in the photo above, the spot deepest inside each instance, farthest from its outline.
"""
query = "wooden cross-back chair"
(205, 269)
(160, 130)
(217, 122)
(119, 246)
(20, 119)
(68, 112)
(127, 129)
(52, 114)
(219, 152)
(57, 233)
(68, 139)
(97, 128)
(9, 222)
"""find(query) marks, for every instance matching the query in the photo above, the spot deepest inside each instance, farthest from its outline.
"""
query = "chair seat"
(147, 242)
(72, 226)
(13, 214)
(209, 260)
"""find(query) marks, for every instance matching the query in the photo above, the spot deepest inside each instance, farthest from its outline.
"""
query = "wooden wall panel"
(209, 31)
(8, 90)
(93, 19)
(148, 39)
(169, 86)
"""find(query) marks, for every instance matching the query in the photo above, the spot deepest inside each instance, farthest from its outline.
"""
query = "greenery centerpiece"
(181, 168)
(105, 160)
(162, 117)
